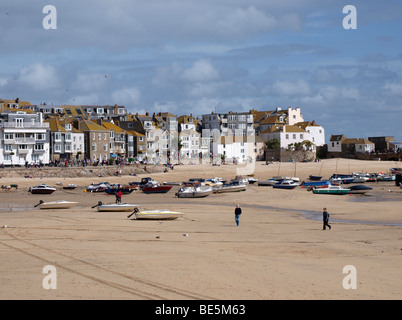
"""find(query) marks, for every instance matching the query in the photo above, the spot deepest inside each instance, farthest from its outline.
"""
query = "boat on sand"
(115, 207)
(42, 189)
(196, 191)
(162, 214)
(61, 204)
(331, 189)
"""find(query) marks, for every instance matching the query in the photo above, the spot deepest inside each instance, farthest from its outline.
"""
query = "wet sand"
(279, 251)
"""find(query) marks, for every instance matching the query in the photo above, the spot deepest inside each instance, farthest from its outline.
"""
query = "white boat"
(285, 184)
(196, 191)
(279, 178)
(61, 204)
(233, 186)
(162, 214)
(215, 181)
(115, 207)
(42, 189)
(268, 182)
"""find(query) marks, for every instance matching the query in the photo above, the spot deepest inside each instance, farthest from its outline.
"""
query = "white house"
(24, 138)
(288, 136)
(335, 143)
(317, 132)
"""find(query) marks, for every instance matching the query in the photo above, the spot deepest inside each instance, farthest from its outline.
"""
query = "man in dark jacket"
(325, 218)
(237, 214)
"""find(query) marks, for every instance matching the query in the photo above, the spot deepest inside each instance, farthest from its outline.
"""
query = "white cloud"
(39, 76)
(127, 96)
(291, 88)
(201, 71)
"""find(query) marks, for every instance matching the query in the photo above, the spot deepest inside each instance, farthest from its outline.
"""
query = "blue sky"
(187, 56)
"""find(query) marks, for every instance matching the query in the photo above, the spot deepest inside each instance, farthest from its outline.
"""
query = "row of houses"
(43, 134)
(341, 145)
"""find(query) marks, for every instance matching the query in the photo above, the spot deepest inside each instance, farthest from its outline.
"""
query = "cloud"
(201, 71)
(291, 88)
(38, 76)
(127, 96)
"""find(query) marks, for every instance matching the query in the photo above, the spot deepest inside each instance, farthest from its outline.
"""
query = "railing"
(25, 125)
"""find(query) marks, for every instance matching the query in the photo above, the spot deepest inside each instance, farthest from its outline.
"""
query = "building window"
(94, 147)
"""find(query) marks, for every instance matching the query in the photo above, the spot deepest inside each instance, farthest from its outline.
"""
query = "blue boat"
(312, 184)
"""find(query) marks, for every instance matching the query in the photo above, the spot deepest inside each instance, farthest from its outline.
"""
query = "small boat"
(312, 184)
(342, 178)
(70, 187)
(281, 178)
(155, 214)
(154, 187)
(359, 189)
(113, 188)
(61, 204)
(115, 207)
(285, 184)
(196, 191)
(268, 182)
(233, 186)
(215, 181)
(386, 177)
(172, 183)
(42, 189)
(331, 189)
(99, 187)
(314, 178)
(252, 180)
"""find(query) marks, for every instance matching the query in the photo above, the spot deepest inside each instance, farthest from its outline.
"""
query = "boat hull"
(327, 191)
(158, 189)
(194, 193)
(57, 205)
(123, 207)
(158, 215)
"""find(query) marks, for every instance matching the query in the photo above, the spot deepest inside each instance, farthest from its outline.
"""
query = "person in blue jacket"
(325, 218)
(237, 214)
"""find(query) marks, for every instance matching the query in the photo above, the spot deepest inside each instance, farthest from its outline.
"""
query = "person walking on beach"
(118, 196)
(237, 214)
(325, 218)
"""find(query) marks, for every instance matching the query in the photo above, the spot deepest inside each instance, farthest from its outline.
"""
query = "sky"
(195, 57)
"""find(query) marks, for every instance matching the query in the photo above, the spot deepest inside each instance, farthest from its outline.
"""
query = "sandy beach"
(279, 251)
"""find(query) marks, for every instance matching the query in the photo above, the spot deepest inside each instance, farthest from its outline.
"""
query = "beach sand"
(277, 252)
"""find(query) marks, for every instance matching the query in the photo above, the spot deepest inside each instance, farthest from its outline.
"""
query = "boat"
(314, 178)
(42, 189)
(98, 187)
(70, 187)
(215, 181)
(115, 207)
(61, 204)
(281, 178)
(386, 177)
(154, 187)
(268, 182)
(155, 214)
(252, 180)
(331, 189)
(342, 178)
(142, 183)
(285, 184)
(196, 191)
(233, 186)
(359, 189)
(113, 188)
(312, 184)
(174, 183)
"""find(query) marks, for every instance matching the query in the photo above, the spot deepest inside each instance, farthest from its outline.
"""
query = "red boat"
(154, 187)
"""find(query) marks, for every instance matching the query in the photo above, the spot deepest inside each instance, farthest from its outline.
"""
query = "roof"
(55, 125)
(337, 137)
(112, 126)
(87, 125)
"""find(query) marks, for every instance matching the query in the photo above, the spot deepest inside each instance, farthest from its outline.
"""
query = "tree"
(273, 144)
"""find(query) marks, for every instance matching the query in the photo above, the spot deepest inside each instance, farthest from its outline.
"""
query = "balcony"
(25, 140)
(25, 125)
(23, 151)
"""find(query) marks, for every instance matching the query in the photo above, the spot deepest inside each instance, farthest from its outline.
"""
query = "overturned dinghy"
(115, 207)
(61, 204)
(162, 214)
